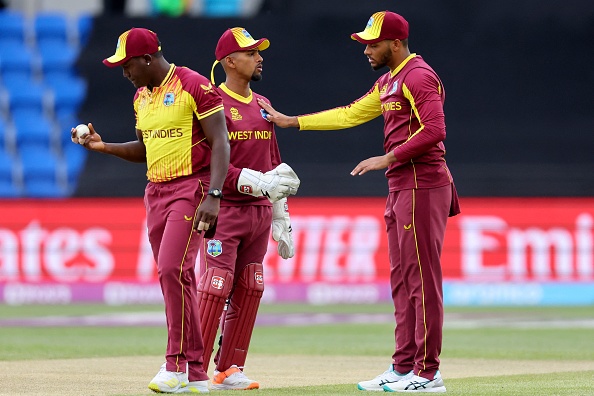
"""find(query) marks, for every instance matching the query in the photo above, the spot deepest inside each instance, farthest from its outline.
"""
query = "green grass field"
(554, 354)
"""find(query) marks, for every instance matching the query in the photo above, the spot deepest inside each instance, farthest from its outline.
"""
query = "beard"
(386, 57)
(256, 77)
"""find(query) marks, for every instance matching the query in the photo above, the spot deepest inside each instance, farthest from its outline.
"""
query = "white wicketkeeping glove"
(281, 229)
(276, 184)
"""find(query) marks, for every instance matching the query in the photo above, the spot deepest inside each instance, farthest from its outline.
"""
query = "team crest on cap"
(169, 99)
(369, 23)
(246, 34)
(214, 248)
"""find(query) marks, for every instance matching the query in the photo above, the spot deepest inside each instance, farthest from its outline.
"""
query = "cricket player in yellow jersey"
(421, 194)
(232, 260)
(182, 137)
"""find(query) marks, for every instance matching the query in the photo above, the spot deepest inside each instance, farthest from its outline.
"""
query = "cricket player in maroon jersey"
(421, 194)
(181, 135)
(232, 260)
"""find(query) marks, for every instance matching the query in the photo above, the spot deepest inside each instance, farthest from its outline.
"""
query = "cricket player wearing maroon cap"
(182, 137)
(231, 262)
(421, 194)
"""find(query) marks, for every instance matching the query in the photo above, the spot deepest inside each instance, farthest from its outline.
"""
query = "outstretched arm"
(364, 109)
(133, 151)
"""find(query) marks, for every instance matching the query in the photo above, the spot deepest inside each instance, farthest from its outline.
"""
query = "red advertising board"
(338, 241)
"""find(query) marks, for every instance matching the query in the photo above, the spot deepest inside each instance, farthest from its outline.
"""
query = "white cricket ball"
(82, 129)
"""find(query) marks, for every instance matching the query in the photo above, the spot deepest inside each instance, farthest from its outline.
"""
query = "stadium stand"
(40, 96)
(8, 167)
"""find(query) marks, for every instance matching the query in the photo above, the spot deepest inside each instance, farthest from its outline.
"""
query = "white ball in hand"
(81, 130)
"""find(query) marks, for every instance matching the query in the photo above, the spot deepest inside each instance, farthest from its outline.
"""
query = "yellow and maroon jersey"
(169, 119)
(411, 100)
(252, 141)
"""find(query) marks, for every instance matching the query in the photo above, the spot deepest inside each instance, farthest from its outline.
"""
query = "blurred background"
(520, 137)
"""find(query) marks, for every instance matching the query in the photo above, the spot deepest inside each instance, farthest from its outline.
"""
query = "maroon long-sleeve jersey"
(411, 99)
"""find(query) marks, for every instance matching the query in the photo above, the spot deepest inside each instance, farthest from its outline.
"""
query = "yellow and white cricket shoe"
(194, 387)
(168, 381)
(232, 379)
(387, 377)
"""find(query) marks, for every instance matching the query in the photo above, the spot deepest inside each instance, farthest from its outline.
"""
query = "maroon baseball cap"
(383, 25)
(132, 43)
(238, 39)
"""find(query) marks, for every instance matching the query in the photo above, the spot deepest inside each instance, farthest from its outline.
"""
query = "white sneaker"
(418, 384)
(232, 378)
(168, 381)
(387, 377)
(194, 387)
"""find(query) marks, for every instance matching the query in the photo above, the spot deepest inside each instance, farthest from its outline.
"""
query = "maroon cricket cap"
(132, 43)
(383, 25)
(238, 39)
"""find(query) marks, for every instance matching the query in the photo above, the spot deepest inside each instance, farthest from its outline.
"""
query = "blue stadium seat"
(16, 58)
(84, 25)
(12, 25)
(8, 189)
(41, 173)
(74, 157)
(51, 26)
(6, 166)
(3, 128)
(32, 129)
(25, 94)
(66, 120)
(56, 57)
(69, 93)
(43, 189)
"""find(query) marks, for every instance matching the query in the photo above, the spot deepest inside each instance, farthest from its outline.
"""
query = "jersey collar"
(236, 96)
(167, 76)
(400, 66)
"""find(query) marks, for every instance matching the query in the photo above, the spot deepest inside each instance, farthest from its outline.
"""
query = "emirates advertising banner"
(498, 251)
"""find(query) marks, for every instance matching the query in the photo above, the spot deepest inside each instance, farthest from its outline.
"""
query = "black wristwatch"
(216, 193)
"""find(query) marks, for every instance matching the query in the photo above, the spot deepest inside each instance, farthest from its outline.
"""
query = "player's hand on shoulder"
(277, 117)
